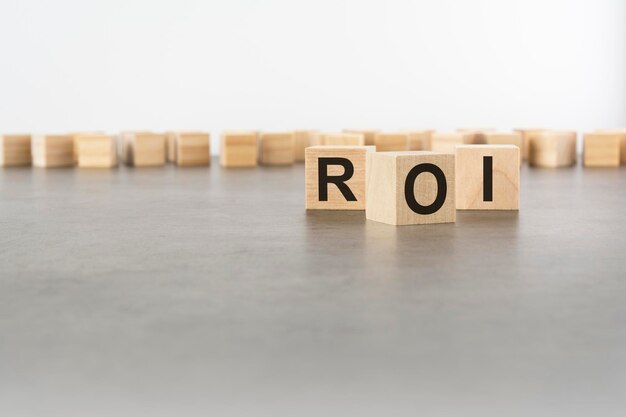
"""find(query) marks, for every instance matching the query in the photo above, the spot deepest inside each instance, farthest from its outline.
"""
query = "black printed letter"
(339, 181)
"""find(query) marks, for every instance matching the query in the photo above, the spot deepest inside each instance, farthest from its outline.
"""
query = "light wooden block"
(342, 139)
(622, 134)
(143, 149)
(335, 177)
(192, 148)
(479, 134)
(602, 149)
(276, 148)
(487, 177)
(391, 142)
(413, 187)
(75, 136)
(15, 150)
(239, 149)
(302, 140)
(52, 151)
(368, 134)
(446, 142)
(420, 140)
(96, 150)
(552, 149)
(526, 134)
(170, 143)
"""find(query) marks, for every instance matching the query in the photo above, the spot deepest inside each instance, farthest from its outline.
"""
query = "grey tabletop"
(212, 292)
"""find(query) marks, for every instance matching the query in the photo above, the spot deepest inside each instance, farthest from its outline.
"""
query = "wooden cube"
(602, 149)
(191, 148)
(552, 148)
(446, 142)
(76, 135)
(276, 148)
(15, 150)
(239, 149)
(420, 140)
(413, 187)
(487, 177)
(335, 177)
(622, 134)
(368, 134)
(479, 134)
(342, 139)
(53, 151)
(302, 140)
(526, 134)
(170, 144)
(96, 150)
(391, 142)
(143, 149)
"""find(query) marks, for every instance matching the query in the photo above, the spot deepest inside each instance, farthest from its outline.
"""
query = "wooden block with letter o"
(15, 150)
(602, 149)
(239, 150)
(53, 151)
(276, 148)
(368, 135)
(335, 177)
(413, 187)
(552, 148)
(342, 139)
(96, 150)
(302, 140)
(143, 149)
(487, 177)
(391, 142)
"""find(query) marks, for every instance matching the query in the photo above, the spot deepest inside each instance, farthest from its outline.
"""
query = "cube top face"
(410, 188)
(335, 177)
(391, 141)
(552, 149)
(602, 149)
(487, 177)
(343, 139)
(277, 148)
(368, 134)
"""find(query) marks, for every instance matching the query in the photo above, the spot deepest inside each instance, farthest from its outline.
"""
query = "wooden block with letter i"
(413, 187)
(143, 149)
(487, 177)
(53, 151)
(335, 177)
(96, 150)
(239, 149)
(15, 150)
(276, 148)
(602, 149)
(552, 148)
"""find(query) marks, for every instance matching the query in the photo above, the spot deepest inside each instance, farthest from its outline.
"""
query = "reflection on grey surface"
(212, 292)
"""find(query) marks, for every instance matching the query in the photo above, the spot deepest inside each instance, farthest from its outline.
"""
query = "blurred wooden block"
(391, 142)
(487, 177)
(75, 136)
(302, 140)
(479, 133)
(446, 142)
(15, 150)
(96, 150)
(622, 134)
(368, 134)
(415, 187)
(552, 149)
(192, 148)
(602, 149)
(420, 140)
(53, 151)
(335, 177)
(276, 148)
(342, 139)
(170, 144)
(239, 149)
(143, 149)
(526, 134)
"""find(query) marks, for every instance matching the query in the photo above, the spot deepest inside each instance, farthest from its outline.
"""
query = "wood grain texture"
(368, 134)
(239, 149)
(552, 148)
(505, 172)
(342, 139)
(143, 149)
(602, 149)
(52, 151)
(391, 141)
(622, 134)
(446, 142)
(302, 140)
(385, 187)
(192, 148)
(96, 150)
(336, 199)
(276, 148)
(15, 150)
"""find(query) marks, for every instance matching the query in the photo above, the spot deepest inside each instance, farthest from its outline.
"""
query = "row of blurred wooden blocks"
(541, 147)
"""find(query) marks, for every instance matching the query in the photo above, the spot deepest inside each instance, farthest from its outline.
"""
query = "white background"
(71, 65)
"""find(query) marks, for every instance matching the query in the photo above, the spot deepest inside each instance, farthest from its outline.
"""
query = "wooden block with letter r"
(335, 177)
(15, 150)
(412, 187)
(487, 177)
(276, 148)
